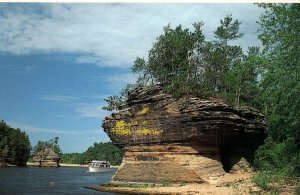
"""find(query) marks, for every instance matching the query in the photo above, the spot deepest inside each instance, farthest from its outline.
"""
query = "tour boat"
(99, 166)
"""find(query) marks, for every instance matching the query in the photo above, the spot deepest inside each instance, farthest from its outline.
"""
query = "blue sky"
(58, 61)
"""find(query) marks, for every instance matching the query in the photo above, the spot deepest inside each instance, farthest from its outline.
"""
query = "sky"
(59, 61)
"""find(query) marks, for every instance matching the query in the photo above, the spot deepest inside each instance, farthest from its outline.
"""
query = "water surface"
(63, 180)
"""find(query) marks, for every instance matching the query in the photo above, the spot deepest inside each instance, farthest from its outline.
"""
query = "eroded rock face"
(181, 140)
(243, 166)
(46, 158)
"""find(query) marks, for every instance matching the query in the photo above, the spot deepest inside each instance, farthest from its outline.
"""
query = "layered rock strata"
(181, 140)
(46, 158)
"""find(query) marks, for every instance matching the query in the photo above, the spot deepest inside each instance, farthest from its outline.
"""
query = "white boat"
(99, 166)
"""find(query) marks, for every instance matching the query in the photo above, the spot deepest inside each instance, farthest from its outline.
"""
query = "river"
(63, 180)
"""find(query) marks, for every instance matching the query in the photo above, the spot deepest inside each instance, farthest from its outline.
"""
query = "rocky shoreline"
(61, 165)
(226, 185)
(72, 165)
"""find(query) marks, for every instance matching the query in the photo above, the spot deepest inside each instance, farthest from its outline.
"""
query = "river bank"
(61, 164)
(226, 185)
(238, 183)
(2, 164)
(72, 165)
(65, 165)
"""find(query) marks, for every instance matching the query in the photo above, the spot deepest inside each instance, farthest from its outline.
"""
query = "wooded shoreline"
(61, 164)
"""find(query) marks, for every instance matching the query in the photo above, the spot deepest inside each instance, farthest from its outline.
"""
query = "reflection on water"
(63, 180)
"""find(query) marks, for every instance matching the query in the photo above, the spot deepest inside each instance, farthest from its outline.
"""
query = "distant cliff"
(46, 158)
(182, 140)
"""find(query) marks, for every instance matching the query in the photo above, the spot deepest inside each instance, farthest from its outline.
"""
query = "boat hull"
(99, 169)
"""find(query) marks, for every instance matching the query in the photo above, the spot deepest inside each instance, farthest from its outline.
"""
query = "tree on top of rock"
(183, 62)
(170, 61)
(52, 143)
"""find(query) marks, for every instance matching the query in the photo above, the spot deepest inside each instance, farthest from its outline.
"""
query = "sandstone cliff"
(181, 140)
(46, 158)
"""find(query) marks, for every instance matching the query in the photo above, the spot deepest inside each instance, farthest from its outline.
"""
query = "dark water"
(63, 180)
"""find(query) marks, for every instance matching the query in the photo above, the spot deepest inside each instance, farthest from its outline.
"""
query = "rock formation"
(46, 158)
(181, 140)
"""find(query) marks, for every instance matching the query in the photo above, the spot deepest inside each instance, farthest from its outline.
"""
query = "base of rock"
(227, 184)
(174, 163)
(46, 164)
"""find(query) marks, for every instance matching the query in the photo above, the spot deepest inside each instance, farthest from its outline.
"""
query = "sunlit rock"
(181, 140)
(46, 158)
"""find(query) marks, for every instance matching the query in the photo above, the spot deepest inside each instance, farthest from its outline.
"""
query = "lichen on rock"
(181, 140)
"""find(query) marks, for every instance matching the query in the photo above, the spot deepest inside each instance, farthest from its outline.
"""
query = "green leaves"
(52, 143)
(114, 102)
(168, 58)
(279, 32)
(14, 145)
(228, 30)
(281, 81)
(99, 151)
(183, 62)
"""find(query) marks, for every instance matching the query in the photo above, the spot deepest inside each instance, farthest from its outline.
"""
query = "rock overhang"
(184, 128)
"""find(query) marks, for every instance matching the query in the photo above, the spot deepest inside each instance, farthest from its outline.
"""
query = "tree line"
(99, 151)
(15, 149)
(183, 62)
(14, 145)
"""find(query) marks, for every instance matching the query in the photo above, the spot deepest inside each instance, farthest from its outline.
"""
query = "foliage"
(52, 143)
(226, 58)
(278, 156)
(280, 28)
(279, 32)
(14, 145)
(72, 158)
(262, 180)
(116, 102)
(113, 103)
(164, 183)
(275, 183)
(183, 62)
(99, 151)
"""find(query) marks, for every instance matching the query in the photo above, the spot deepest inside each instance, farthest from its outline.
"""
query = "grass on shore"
(277, 182)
